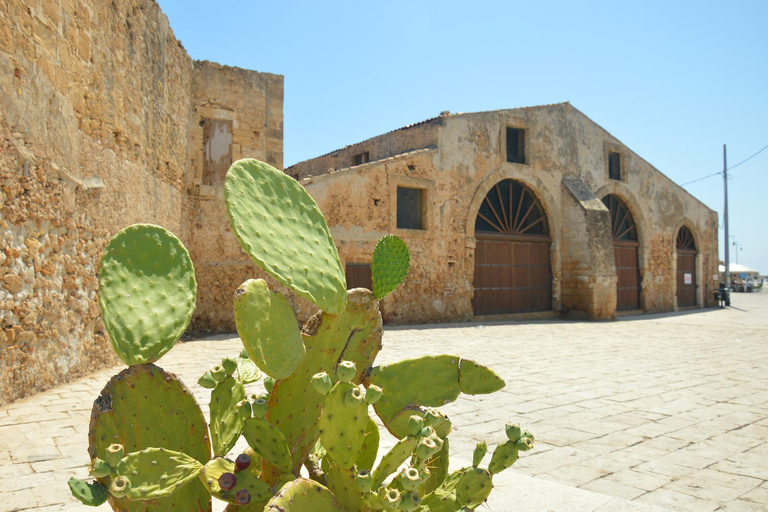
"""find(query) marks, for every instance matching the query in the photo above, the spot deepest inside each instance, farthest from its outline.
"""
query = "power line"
(731, 167)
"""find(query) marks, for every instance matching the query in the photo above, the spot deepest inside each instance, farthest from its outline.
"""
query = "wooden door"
(625, 251)
(686, 268)
(512, 255)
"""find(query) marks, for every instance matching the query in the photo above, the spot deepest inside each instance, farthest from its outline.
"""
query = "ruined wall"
(469, 160)
(250, 104)
(94, 95)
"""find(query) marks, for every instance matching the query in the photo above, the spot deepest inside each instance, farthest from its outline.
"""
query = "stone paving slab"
(659, 410)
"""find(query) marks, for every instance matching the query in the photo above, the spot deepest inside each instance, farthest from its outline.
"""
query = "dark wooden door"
(625, 251)
(686, 268)
(628, 274)
(512, 260)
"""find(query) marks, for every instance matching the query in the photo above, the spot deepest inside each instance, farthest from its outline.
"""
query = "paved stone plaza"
(670, 410)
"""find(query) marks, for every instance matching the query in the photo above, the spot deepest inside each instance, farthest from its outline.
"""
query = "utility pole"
(725, 220)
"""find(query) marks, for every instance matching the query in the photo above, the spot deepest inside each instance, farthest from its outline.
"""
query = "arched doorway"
(686, 268)
(625, 250)
(512, 262)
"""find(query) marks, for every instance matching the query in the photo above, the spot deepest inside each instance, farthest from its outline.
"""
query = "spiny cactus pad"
(343, 484)
(503, 457)
(430, 381)
(438, 468)
(393, 458)
(342, 425)
(157, 472)
(143, 407)
(268, 329)
(268, 442)
(92, 494)
(147, 292)
(370, 447)
(473, 487)
(281, 228)
(476, 379)
(354, 335)
(226, 422)
(389, 265)
(302, 495)
(245, 480)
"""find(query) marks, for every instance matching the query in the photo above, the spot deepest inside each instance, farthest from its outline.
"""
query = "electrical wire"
(731, 167)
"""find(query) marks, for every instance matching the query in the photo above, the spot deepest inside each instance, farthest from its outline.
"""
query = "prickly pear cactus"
(281, 228)
(389, 265)
(144, 407)
(304, 495)
(147, 292)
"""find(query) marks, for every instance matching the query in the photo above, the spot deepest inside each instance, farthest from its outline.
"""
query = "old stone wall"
(469, 158)
(250, 105)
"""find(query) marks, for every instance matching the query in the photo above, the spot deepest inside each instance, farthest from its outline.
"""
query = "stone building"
(528, 211)
(106, 121)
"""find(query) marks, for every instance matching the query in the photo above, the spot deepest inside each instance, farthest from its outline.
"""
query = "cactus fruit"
(220, 471)
(147, 292)
(342, 424)
(115, 453)
(92, 494)
(410, 502)
(345, 371)
(99, 468)
(157, 472)
(410, 479)
(524, 444)
(373, 394)
(364, 480)
(168, 416)
(268, 329)
(391, 499)
(120, 486)
(389, 265)
(322, 383)
(259, 408)
(415, 424)
(242, 462)
(226, 424)
(268, 442)
(302, 495)
(284, 233)
(513, 431)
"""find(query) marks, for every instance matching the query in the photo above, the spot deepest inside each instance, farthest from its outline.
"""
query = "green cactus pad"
(294, 407)
(370, 447)
(343, 484)
(342, 426)
(254, 469)
(157, 472)
(393, 458)
(389, 266)
(226, 423)
(503, 457)
(302, 495)
(247, 371)
(473, 487)
(438, 469)
(268, 329)
(92, 494)
(147, 292)
(246, 480)
(476, 379)
(281, 228)
(143, 407)
(268, 442)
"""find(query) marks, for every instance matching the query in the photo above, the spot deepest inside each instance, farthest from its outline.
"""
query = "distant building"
(531, 210)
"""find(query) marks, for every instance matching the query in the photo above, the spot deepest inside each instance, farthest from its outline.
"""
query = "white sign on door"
(688, 278)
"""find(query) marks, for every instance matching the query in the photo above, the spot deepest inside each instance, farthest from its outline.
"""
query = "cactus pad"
(302, 495)
(281, 228)
(157, 472)
(393, 458)
(475, 379)
(268, 442)
(389, 265)
(370, 447)
(342, 425)
(268, 329)
(246, 480)
(143, 407)
(503, 457)
(92, 494)
(147, 292)
(438, 469)
(354, 335)
(473, 487)
(226, 423)
(343, 484)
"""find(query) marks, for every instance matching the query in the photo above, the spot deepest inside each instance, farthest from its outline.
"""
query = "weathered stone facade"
(100, 128)
(456, 160)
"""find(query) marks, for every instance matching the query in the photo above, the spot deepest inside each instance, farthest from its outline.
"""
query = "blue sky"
(674, 81)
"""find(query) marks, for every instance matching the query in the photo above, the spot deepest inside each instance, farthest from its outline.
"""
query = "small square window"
(516, 145)
(359, 276)
(362, 158)
(614, 165)
(410, 208)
